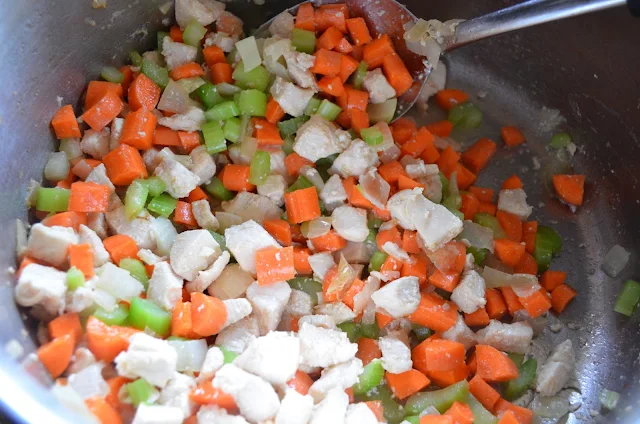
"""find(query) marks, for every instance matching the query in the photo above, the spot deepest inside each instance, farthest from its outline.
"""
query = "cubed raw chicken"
(399, 298)
(332, 409)
(514, 201)
(350, 223)
(251, 206)
(316, 139)
(50, 244)
(295, 408)
(378, 87)
(557, 369)
(274, 357)
(205, 12)
(245, 240)
(149, 358)
(291, 98)
(178, 179)
(461, 333)
(176, 54)
(355, 160)
(333, 193)
(299, 66)
(44, 286)
(514, 337)
(237, 336)
(469, 294)
(96, 143)
(158, 414)
(88, 236)
(189, 121)
(165, 287)
(396, 355)
(193, 251)
(341, 376)
(268, 303)
(321, 347)
(176, 393)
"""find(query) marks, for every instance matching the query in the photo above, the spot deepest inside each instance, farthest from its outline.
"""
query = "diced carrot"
(470, 204)
(464, 177)
(403, 129)
(327, 62)
(183, 214)
(487, 208)
(331, 86)
(391, 264)
(208, 314)
(478, 155)
(552, 279)
(410, 242)
(439, 354)
(274, 112)
(301, 382)
(448, 98)
(569, 188)
(460, 413)
(329, 39)
(305, 18)
(186, 70)
(390, 171)
(83, 167)
(106, 342)
(347, 67)
(124, 164)
(274, 264)
(511, 225)
(529, 231)
(176, 34)
(164, 136)
(481, 390)
(343, 47)
(440, 128)
(496, 306)
(508, 251)
(189, 140)
(483, 194)
(479, 318)
(356, 287)
(221, 72)
(448, 160)
(120, 246)
(336, 295)
(279, 229)
(446, 281)
(102, 113)
(561, 296)
(376, 407)
(358, 30)
(115, 384)
(330, 242)
(181, 323)
(138, 129)
(128, 78)
(523, 415)
(472, 364)
(508, 418)
(397, 73)
(511, 136)
(81, 257)
(382, 214)
(511, 299)
(103, 411)
(353, 99)
(64, 123)
(294, 162)
(368, 350)
(513, 182)
(527, 265)
(236, 178)
(195, 195)
(302, 205)
(436, 419)
(68, 323)
(66, 219)
(390, 235)
(416, 269)
(301, 260)
(266, 132)
(97, 90)
(88, 197)
(355, 196)
(332, 15)
(359, 119)
(143, 93)
(383, 319)
(213, 55)
(206, 394)
(376, 50)
(449, 377)
(432, 313)
(493, 365)
(415, 146)
(536, 304)
(406, 383)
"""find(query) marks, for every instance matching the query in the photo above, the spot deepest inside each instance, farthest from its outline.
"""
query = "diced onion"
(391, 154)
(493, 262)
(374, 188)
(191, 354)
(248, 50)
(313, 176)
(104, 300)
(477, 235)
(382, 112)
(118, 282)
(444, 258)
(89, 382)
(615, 261)
(183, 159)
(164, 7)
(225, 89)
(443, 142)
(273, 49)
(71, 146)
(165, 234)
(232, 283)
(191, 84)
(316, 228)
(523, 285)
(343, 279)
(248, 148)
(227, 220)
(175, 98)
(361, 299)
(551, 407)
(57, 167)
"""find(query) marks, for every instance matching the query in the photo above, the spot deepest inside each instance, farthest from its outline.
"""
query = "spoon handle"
(523, 15)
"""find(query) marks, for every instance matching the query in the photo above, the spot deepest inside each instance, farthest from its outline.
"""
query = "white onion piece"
(191, 84)
(165, 234)
(493, 262)
(524, 283)
(443, 142)
(104, 300)
(57, 167)
(118, 282)
(427, 47)
(391, 154)
(89, 382)
(248, 148)
(316, 228)
(73, 402)
(551, 407)
(382, 112)
(369, 313)
(226, 220)
(313, 176)
(185, 160)
(175, 98)
(615, 261)
(191, 354)
(444, 258)
(477, 235)
(363, 298)
(227, 90)
(343, 279)
(71, 146)
(273, 49)
(374, 188)
(248, 50)
(231, 284)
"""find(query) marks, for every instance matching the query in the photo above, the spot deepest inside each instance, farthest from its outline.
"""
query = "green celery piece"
(372, 136)
(299, 184)
(219, 238)
(257, 78)
(513, 389)
(135, 58)
(542, 253)
(209, 95)
(393, 411)
(382, 112)
(465, 115)
(445, 184)
(135, 198)
(260, 167)
(176, 339)
(480, 414)
(193, 34)
(440, 399)
(303, 40)
(162, 204)
(374, 222)
(52, 199)
(145, 314)
(213, 137)
(228, 355)
(359, 74)
(290, 126)
(328, 110)
(352, 330)
(312, 106)
(552, 236)
(422, 333)
(155, 186)
(487, 220)
(372, 375)
(160, 38)
(75, 278)
(517, 358)
(376, 261)
(412, 419)
(609, 399)
(628, 298)
(370, 331)
(140, 391)
(287, 147)
(371, 238)
(136, 269)
(116, 317)
(232, 129)
(190, 85)
(458, 214)
(221, 111)
(560, 140)
(479, 254)
(156, 73)
(111, 74)
(252, 102)
(307, 285)
(217, 190)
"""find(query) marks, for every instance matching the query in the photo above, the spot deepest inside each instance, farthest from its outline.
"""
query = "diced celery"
(219, 238)
(52, 199)
(144, 314)
(372, 136)
(374, 222)
(382, 112)
(422, 333)
(290, 126)
(135, 58)
(352, 330)
(371, 238)
(480, 414)
(176, 339)
(193, 33)
(312, 106)
(140, 391)
(246, 128)
(155, 72)
(299, 184)
(303, 40)
(628, 298)
(445, 184)
(136, 269)
(517, 358)
(155, 186)
(252, 102)
(552, 236)
(479, 254)
(329, 110)
(440, 399)
(527, 373)
(257, 78)
(372, 375)
(160, 38)
(287, 147)
(116, 317)
(465, 115)
(231, 129)
(248, 51)
(487, 220)
(228, 355)
(111, 74)
(307, 285)
(609, 399)
(71, 147)
(260, 167)
(393, 411)
(135, 198)
(412, 419)
(560, 140)
(75, 278)
(359, 74)
(163, 205)
(542, 253)
(217, 190)
(370, 331)
(213, 137)
(222, 111)
(209, 95)
(376, 261)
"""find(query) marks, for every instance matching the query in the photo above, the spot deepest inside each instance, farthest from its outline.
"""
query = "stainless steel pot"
(587, 68)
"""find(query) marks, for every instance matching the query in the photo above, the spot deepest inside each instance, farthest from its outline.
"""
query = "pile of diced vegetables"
(231, 232)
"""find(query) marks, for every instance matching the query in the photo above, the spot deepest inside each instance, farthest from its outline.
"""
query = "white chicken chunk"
(237, 336)
(378, 87)
(299, 66)
(355, 160)
(251, 206)
(208, 276)
(341, 376)
(245, 240)
(165, 287)
(189, 121)
(50, 244)
(338, 311)
(42, 285)
(514, 201)
(399, 298)
(322, 321)
(295, 408)
(514, 337)
(333, 193)
(316, 139)
(469, 294)
(193, 251)
(350, 223)
(211, 414)
(291, 98)
(204, 217)
(237, 309)
(176, 393)
(332, 409)
(557, 369)
(360, 413)
(203, 164)
(321, 347)
(139, 229)
(268, 303)
(176, 54)
(222, 40)
(213, 361)
(178, 179)
(81, 359)
(158, 414)
(88, 236)
(96, 221)
(274, 357)
(461, 333)
(282, 25)
(273, 188)
(396, 355)
(116, 132)
(149, 358)
(96, 143)
(205, 12)
(118, 282)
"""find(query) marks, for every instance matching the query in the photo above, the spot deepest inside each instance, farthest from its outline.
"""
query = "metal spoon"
(391, 18)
